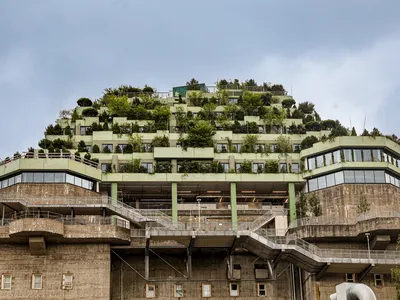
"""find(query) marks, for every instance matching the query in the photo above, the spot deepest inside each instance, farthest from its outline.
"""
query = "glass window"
(357, 155)
(349, 177)
(85, 184)
(359, 176)
(150, 290)
(258, 168)
(147, 147)
(296, 147)
(295, 168)
(311, 163)
(259, 148)
(4, 183)
(367, 155)
(369, 176)
(336, 157)
(38, 177)
(348, 156)
(321, 182)
(312, 185)
(48, 177)
(320, 161)
(328, 159)
(150, 167)
(226, 167)
(385, 157)
(6, 282)
(70, 179)
(377, 154)
(237, 167)
(237, 147)
(18, 178)
(379, 176)
(109, 146)
(330, 180)
(282, 167)
(221, 148)
(206, 290)
(27, 177)
(234, 289)
(59, 177)
(339, 178)
(260, 129)
(387, 178)
(396, 182)
(11, 181)
(178, 293)
(36, 282)
(78, 181)
(261, 289)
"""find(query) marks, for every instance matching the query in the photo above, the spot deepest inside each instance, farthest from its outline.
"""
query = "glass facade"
(47, 177)
(351, 176)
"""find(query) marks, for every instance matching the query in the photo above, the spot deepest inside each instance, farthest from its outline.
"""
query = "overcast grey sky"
(341, 55)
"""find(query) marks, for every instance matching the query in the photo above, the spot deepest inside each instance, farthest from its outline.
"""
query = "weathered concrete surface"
(37, 245)
(89, 264)
(36, 226)
(104, 233)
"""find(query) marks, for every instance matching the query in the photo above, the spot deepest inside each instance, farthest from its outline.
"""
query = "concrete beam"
(189, 257)
(380, 242)
(365, 272)
(281, 255)
(271, 270)
(322, 272)
(37, 245)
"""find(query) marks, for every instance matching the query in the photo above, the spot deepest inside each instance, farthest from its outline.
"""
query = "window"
(109, 146)
(328, 159)
(312, 185)
(178, 290)
(259, 148)
(379, 176)
(261, 289)
(377, 154)
(237, 167)
(320, 161)
(206, 290)
(260, 129)
(282, 168)
(226, 167)
(18, 179)
(357, 155)
(59, 177)
(369, 176)
(88, 148)
(339, 178)
(67, 281)
(85, 130)
(350, 277)
(367, 155)
(121, 147)
(105, 167)
(27, 177)
(378, 278)
(295, 168)
(11, 181)
(148, 166)
(359, 176)
(38, 177)
(147, 147)
(221, 148)
(36, 282)
(336, 157)
(321, 182)
(349, 177)
(6, 282)
(232, 100)
(330, 180)
(311, 163)
(237, 147)
(348, 156)
(273, 147)
(150, 290)
(258, 168)
(234, 289)
(49, 177)
(296, 147)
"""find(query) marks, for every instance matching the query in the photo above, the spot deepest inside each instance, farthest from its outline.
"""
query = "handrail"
(30, 155)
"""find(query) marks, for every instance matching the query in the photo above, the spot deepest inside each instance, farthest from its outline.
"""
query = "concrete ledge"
(98, 233)
(35, 227)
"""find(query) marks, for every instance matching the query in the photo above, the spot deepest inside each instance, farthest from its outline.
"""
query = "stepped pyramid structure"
(227, 191)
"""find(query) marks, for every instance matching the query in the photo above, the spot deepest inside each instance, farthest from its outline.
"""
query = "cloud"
(344, 85)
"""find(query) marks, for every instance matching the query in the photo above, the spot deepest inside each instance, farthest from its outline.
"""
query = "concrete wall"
(89, 264)
(341, 201)
(207, 267)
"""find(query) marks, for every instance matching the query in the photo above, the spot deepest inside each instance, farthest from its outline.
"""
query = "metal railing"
(29, 155)
(331, 220)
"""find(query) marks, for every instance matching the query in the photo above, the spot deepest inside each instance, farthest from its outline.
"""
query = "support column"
(233, 206)
(292, 202)
(174, 190)
(114, 191)
(147, 260)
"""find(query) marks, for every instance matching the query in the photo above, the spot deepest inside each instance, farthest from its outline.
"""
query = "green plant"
(90, 112)
(163, 167)
(308, 142)
(288, 103)
(207, 112)
(251, 103)
(136, 141)
(306, 107)
(353, 132)
(133, 167)
(95, 149)
(193, 85)
(82, 146)
(201, 135)
(106, 150)
(195, 98)
(77, 156)
(117, 149)
(249, 143)
(245, 167)
(45, 143)
(271, 166)
(315, 205)
(148, 89)
(302, 207)
(118, 105)
(41, 153)
(160, 141)
(283, 145)
(161, 115)
(75, 116)
(84, 102)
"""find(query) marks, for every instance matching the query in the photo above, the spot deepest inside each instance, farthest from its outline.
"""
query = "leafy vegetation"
(90, 112)
(84, 102)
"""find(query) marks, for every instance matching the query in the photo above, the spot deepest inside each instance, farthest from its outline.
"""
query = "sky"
(341, 55)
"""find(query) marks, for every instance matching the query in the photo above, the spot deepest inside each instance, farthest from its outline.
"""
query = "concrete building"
(232, 192)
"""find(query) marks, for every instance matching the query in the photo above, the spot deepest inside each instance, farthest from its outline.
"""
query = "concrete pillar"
(146, 267)
(292, 202)
(174, 190)
(174, 168)
(189, 265)
(114, 191)
(115, 162)
(233, 205)
(232, 163)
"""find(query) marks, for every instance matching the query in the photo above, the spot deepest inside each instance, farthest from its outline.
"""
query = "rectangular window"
(260, 148)
(206, 290)
(367, 155)
(147, 147)
(378, 278)
(48, 177)
(349, 177)
(296, 147)
(226, 167)
(59, 177)
(258, 168)
(38, 177)
(260, 129)
(234, 289)
(84, 130)
(36, 282)
(85, 184)
(336, 157)
(379, 176)
(237, 147)
(67, 281)
(321, 182)
(88, 148)
(4, 183)
(311, 163)
(11, 181)
(385, 157)
(221, 148)
(339, 178)
(350, 277)
(312, 185)
(295, 168)
(6, 282)
(109, 146)
(178, 290)
(273, 147)
(18, 179)
(261, 289)
(330, 180)
(105, 167)
(282, 168)
(121, 147)
(359, 176)
(377, 154)
(320, 161)
(70, 179)
(237, 167)
(369, 176)
(148, 166)
(78, 181)
(348, 156)
(150, 290)
(357, 155)
(328, 159)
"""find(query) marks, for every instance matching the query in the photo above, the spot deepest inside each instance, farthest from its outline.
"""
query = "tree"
(302, 206)
(136, 141)
(195, 98)
(363, 205)
(193, 85)
(95, 149)
(82, 146)
(375, 132)
(306, 107)
(160, 141)
(65, 114)
(208, 112)
(201, 135)
(308, 142)
(288, 103)
(245, 167)
(353, 132)
(161, 116)
(283, 145)
(118, 105)
(90, 112)
(84, 102)
(315, 205)
(249, 143)
(251, 103)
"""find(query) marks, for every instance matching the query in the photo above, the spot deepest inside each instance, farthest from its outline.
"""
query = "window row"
(47, 177)
(260, 148)
(206, 290)
(352, 155)
(37, 281)
(351, 176)
(378, 279)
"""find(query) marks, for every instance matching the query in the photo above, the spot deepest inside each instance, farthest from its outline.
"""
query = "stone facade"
(88, 263)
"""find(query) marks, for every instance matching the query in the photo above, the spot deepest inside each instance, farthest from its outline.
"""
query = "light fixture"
(248, 192)
(279, 192)
(184, 192)
(213, 192)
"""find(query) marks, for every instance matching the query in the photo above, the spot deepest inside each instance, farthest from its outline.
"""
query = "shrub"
(163, 167)
(95, 149)
(193, 85)
(245, 167)
(106, 150)
(118, 105)
(84, 102)
(148, 89)
(271, 166)
(159, 141)
(45, 143)
(308, 142)
(283, 145)
(249, 143)
(313, 126)
(306, 107)
(288, 103)
(90, 112)
(201, 135)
